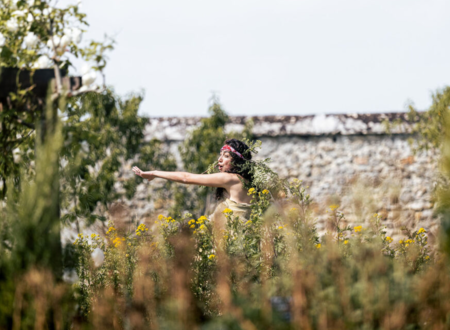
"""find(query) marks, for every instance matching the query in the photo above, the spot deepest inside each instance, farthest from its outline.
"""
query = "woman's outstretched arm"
(210, 180)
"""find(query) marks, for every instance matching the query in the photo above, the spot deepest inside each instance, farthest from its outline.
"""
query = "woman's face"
(225, 161)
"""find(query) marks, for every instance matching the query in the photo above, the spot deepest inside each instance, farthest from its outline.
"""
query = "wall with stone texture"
(375, 173)
(349, 160)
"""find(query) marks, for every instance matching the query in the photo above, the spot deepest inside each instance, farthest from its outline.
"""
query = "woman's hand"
(145, 175)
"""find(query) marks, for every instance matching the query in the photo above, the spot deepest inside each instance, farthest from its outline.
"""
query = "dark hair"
(237, 163)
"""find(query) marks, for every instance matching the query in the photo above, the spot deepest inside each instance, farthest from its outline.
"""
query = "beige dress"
(242, 210)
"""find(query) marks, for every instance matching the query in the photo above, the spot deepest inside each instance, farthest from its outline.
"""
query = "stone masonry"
(349, 160)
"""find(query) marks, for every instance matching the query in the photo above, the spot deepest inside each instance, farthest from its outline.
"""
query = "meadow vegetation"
(272, 271)
(183, 271)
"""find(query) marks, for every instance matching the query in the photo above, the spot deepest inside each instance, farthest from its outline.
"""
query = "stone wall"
(363, 174)
(349, 160)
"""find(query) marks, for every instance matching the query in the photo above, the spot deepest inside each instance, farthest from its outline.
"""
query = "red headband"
(228, 148)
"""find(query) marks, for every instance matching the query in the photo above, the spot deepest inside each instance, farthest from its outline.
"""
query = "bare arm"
(210, 180)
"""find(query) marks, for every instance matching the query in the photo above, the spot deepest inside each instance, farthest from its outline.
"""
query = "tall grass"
(267, 273)
(270, 271)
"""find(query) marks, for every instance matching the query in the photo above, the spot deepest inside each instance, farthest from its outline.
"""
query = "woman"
(229, 182)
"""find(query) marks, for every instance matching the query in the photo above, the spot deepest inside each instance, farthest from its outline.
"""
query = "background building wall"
(350, 160)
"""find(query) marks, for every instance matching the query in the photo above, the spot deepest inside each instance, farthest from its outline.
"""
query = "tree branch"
(24, 123)
(79, 92)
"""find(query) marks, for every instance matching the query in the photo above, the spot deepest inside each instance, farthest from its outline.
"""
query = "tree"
(101, 130)
(36, 36)
(431, 124)
(97, 132)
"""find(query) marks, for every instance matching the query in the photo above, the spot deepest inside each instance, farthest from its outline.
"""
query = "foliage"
(263, 177)
(58, 155)
(271, 271)
(101, 131)
(35, 35)
(30, 230)
(33, 29)
(31, 214)
(431, 125)
(195, 274)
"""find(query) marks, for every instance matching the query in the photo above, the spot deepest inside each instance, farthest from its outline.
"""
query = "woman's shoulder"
(239, 178)
(234, 178)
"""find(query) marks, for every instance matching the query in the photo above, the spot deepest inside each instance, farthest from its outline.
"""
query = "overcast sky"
(275, 57)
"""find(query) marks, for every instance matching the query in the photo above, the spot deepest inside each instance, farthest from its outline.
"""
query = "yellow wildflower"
(389, 239)
(346, 241)
(202, 218)
(93, 235)
(318, 246)
(280, 227)
(248, 222)
(202, 227)
(117, 241)
(400, 241)
(427, 257)
(80, 235)
(211, 256)
(141, 228)
(192, 226)
(160, 217)
(406, 245)
(421, 230)
(110, 229)
(357, 229)
(251, 191)
(333, 207)
(293, 209)
(191, 222)
(227, 211)
(127, 255)
(138, 233)
(265, 192)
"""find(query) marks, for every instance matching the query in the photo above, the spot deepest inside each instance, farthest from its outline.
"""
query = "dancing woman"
(230, 182)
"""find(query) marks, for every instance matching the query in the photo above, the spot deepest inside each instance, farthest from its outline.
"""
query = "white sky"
(275, 57)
